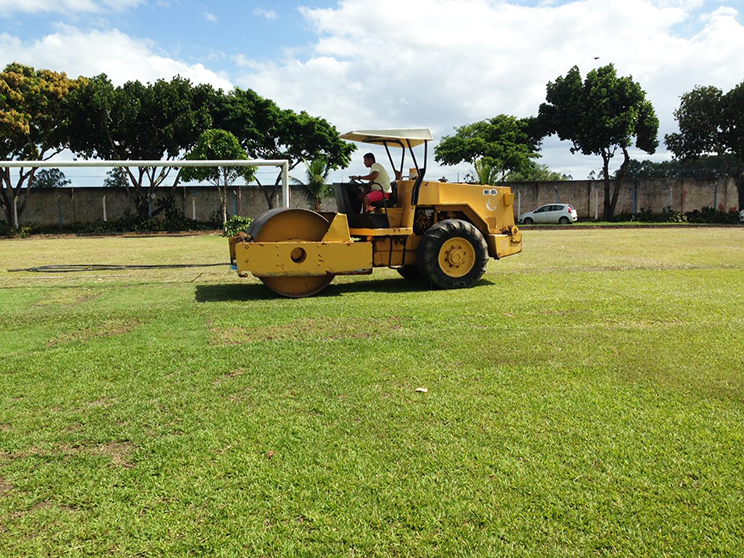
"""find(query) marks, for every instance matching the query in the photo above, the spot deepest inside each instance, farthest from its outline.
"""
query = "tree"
(537, 173)
(599, 116)
(49, 178)
(34, 125)
(711, 122)
(140, 122)
(486, 171)
(315, 187)
(706, 166)
(267, 132)
(218, 145)
(116, 178)
(497, 146)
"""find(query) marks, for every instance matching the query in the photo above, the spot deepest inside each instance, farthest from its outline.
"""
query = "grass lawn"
(585, 398)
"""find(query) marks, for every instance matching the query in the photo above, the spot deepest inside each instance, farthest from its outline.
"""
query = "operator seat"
(391, 200)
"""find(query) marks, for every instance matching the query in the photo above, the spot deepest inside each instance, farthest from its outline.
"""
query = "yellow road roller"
(440, 232)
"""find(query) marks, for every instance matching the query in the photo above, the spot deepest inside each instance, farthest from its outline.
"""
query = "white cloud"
(114, 53)
(66, 6)
(444, 63)
(211, 17)
(436, 63)
(268, 14)
(686, 5)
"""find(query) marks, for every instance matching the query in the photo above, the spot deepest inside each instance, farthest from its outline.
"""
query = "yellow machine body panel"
(491, 205)
(286, 259)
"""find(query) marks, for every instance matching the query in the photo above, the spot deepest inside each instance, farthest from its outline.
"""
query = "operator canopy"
(406, 137)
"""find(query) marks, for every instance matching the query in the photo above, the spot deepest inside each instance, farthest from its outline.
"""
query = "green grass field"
(585, 398)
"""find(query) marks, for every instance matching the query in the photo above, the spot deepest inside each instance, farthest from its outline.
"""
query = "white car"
(562, 213)
(741, 216)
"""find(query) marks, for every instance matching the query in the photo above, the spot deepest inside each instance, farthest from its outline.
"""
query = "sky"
(392, 63)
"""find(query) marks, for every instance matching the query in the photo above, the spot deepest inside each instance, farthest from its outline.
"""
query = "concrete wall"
(64, 206)
(587, 196)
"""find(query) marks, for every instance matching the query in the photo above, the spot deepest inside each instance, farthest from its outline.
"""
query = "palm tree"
(487, 172)
(315, 187)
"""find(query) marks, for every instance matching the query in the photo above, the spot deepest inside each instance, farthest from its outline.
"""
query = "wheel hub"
(457, 257)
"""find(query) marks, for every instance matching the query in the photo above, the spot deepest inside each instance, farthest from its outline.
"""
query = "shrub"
(237, 224)
(710, 215)
(129, 222)
(6, 229)
(706, 215)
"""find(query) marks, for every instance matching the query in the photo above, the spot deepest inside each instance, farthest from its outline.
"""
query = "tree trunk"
(609, 210)
(610, 198)
(134, 191)
(5, 187)
(140, 194)
(268, 193)
(619, 180)
(17, 192)
(7, 209)
(223, 196)
(140, 202)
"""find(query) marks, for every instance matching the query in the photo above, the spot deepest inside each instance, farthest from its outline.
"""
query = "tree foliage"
(486, 172)
(497, 146)
(711, 123)
(600, 115)
(34, 125)
(218, 145)
(706, 166)
(139, 121)
(537, 173)
(116, 178)
(43, 112)
(49, 178)
(266, 131)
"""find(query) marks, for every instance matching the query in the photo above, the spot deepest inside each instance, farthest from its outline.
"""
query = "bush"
(705, 215)
(6, 229)
(237, 224)
(710, 215)
(647, 216)
(129, 222)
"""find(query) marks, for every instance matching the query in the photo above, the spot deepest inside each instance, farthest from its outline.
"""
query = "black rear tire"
(564, 221)
(452, 254)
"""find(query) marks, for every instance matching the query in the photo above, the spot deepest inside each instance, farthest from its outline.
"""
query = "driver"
(378, 184)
